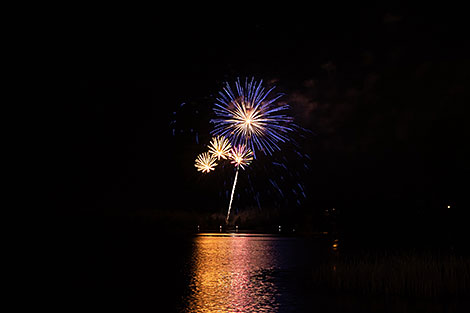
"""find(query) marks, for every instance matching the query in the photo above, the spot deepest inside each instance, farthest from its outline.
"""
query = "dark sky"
(384, 90)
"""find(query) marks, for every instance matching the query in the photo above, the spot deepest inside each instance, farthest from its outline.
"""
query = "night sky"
(384, 92)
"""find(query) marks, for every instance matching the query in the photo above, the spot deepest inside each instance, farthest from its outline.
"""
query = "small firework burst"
(241, 156)
(220, 147)
(205, 162)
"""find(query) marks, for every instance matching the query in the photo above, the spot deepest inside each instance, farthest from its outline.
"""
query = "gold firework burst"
(205, 162)
(220, 147)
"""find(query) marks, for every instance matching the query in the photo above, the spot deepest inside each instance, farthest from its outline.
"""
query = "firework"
(220, 147)
(249, 120)
(249, 116)
(205, 162)
(241, 156)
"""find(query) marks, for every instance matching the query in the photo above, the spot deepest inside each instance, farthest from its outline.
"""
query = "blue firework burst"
(250, 116)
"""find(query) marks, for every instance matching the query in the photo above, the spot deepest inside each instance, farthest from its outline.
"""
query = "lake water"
(135, 269)
(268, 273)
(246, 273)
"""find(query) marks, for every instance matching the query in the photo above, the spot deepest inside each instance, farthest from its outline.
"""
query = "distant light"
(335, 244)
(448, 206)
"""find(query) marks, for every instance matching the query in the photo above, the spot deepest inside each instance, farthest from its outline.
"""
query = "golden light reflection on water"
(233, 273)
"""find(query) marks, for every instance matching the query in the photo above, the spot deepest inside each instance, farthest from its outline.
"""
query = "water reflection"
(239, 273)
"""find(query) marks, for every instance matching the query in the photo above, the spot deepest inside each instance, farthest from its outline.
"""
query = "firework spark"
(220, 147)
(249, 117)
(205, 162)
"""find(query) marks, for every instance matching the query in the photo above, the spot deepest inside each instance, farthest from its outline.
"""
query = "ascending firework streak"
(241, 156)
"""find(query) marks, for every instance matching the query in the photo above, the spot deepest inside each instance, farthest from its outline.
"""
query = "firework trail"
(241, 156)
(231, 197)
